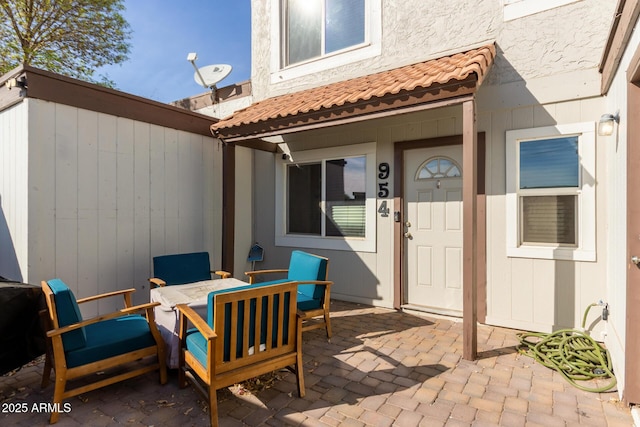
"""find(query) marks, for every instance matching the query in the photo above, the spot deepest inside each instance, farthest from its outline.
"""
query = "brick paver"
(381, 368)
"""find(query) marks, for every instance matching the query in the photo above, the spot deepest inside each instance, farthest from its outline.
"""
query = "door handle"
(408, 235)
(635, 260)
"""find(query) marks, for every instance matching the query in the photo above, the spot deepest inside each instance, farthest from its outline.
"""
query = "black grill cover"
(21, 335)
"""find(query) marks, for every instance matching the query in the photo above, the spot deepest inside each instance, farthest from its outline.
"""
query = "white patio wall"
(14, 149)
(105, 194)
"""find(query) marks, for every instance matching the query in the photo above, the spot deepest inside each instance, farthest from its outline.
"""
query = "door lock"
(407, 224)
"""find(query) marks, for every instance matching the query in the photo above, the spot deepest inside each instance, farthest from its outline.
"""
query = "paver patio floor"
(381, 368)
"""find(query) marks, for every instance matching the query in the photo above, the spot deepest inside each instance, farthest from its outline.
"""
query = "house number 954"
(383, 187)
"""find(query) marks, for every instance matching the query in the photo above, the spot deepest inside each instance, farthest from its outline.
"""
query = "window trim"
(514, 9)
(585, 250)
(356, 244)
(371, 47)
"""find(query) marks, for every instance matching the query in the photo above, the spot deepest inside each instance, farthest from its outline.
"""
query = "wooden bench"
(249, 331)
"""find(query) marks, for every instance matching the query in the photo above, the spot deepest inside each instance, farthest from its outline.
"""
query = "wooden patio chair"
(249, 331)
(178, 269)
(310, 272)
(84, 347)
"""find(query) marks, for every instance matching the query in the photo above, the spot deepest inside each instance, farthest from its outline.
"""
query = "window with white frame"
(326, 199)
(319, 27)
(315, 35)
(551, 192)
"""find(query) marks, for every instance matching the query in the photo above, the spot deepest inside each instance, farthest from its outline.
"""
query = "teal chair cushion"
(197, 344)
(68, 313)
(304, 266)
(179, 269)
(110, 338)
(305, 302)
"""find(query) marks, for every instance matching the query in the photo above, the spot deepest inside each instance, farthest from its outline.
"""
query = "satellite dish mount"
(209, 75)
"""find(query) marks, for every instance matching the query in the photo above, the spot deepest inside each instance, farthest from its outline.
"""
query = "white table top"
(191, 293)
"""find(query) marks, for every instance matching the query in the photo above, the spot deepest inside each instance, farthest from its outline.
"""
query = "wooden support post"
(470, 231)
(228, 205)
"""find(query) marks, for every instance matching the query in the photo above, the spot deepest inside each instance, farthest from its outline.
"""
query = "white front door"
(433, 239)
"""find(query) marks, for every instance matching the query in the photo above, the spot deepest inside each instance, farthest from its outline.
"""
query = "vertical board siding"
(13, 192)
(88, 196)
(538, 294)
(107, 194)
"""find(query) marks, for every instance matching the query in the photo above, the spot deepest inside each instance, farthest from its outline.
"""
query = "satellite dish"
(209, 75)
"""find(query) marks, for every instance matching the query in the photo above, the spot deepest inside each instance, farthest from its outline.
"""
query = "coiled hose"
(574, 354)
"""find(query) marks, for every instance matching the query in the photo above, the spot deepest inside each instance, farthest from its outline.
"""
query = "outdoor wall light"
(605, 126)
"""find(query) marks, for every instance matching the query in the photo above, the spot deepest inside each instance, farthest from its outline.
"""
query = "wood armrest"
(155, 282)
(130, 310)
(222, 273)
(326, 283)
(252, 274)
(106, 295)
(198, 322)
(256, 272)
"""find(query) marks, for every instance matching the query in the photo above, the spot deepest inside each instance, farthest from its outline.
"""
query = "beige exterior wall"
(616, 149)
(540, 78)
(106, 194)
(14, 183)
(532, 294)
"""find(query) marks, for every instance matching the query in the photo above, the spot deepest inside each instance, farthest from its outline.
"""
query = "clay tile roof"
(468, 68)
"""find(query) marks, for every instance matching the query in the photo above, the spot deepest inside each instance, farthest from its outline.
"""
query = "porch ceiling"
(398, 90)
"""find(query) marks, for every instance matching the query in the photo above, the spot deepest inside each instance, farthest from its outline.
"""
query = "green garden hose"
(574, 354)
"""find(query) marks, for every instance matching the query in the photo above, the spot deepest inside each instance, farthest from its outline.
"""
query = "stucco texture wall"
(555, 41)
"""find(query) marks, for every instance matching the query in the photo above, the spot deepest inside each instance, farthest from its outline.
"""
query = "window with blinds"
(550, 195)
(549, 179)
(327, 198)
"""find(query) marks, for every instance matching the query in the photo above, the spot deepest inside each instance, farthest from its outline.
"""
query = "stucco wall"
(570, 37)
(14, 149)
(106, 194)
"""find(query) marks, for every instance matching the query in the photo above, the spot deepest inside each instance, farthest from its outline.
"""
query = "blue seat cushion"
(68, 313)
(309, 296)
(179, 269)
(304, 266)
(110, 338)
(307, 303)
(199, 344)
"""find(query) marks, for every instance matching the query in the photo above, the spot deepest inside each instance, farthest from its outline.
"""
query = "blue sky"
(165, 31)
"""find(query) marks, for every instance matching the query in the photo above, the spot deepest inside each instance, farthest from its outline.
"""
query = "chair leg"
(58, 392)
(327, 324)
(46, 371)
(300, 375)
(162, 360)
(182, 378)
(213, 407)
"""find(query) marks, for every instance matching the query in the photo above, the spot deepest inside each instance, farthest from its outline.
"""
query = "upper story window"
(551, 192)
(514, 9)
(316, 35)
(319, 27)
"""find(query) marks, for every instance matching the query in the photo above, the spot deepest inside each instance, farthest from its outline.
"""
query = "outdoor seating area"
(380, 367)
(79, 348)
